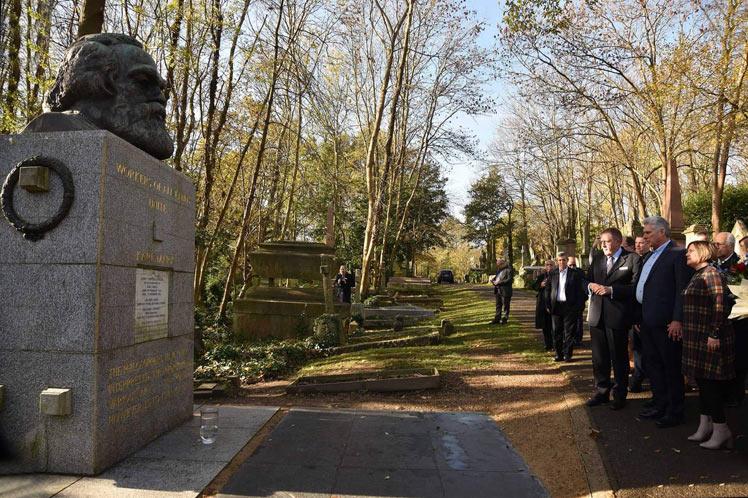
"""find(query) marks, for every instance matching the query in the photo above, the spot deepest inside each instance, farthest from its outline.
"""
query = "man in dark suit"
(611, 276)
(579, 331)
(565, 297)
(725, 263)
(726, 257)
(658, 289)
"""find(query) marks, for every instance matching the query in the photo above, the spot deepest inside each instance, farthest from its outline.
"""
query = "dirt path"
(532, 402)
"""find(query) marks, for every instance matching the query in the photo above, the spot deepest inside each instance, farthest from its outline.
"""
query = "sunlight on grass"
(466, 349)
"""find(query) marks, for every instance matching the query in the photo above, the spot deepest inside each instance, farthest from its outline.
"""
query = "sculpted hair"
(88, 72)
(614, 232)
(704, 249)
(658, 222)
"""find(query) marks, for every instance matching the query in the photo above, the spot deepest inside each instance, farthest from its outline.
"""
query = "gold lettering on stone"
(140, 386)
(148, 257)
(157, 205)
(146, 181)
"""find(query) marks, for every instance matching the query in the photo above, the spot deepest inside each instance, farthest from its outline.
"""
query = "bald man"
(726, 257)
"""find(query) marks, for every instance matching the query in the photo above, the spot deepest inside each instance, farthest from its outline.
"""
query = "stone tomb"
(269, 310)
(96, 333)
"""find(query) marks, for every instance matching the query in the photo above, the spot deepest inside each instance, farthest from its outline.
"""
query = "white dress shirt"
(561, 298)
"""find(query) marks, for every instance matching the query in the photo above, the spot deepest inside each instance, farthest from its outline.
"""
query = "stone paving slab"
(356, 453)
(176, 465)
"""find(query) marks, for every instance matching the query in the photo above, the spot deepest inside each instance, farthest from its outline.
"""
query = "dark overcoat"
(542, 317)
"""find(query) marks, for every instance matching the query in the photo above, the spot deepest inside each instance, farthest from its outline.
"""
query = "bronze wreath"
(36, 231)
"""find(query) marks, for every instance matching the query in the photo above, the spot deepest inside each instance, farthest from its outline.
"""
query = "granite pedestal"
(100, 310)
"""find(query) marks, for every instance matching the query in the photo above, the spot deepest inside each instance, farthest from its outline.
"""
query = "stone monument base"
(96, 333)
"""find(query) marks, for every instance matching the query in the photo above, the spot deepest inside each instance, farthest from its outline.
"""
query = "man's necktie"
(609, 264)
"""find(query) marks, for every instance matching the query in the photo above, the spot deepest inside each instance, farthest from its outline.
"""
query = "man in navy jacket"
(659, 292)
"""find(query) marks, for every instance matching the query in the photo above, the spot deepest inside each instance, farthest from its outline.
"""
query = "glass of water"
(208, 424)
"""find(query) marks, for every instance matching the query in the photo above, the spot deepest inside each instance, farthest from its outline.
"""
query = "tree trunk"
(15, 10)
(373, 185)
(229, 284)
(92, 17)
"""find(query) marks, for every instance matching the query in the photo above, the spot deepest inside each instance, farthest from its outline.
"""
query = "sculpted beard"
(142, 124)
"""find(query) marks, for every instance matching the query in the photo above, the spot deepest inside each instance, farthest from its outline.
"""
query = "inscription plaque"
(151, 304)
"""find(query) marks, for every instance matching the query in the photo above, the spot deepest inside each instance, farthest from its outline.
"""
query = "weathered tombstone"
(447, 328)
(691, 233)
(269, 310)
(96, 269)
(569, 246)
(740, 231)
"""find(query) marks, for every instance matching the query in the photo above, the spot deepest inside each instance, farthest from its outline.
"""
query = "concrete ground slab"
(33, 485)
(384, 454)
(176, 465)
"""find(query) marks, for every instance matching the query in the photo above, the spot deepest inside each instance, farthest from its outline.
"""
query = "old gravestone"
(96, 269)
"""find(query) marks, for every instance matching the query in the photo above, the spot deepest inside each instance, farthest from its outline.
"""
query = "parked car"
(445, 277)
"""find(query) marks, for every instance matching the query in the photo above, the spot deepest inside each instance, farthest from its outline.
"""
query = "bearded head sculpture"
(114, 84)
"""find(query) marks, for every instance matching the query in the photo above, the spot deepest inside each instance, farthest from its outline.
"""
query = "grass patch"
(468, 349)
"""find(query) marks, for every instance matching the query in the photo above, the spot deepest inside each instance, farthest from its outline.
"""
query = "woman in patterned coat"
(708, 344)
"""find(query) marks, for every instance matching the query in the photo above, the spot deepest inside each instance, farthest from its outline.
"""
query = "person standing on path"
(344, 282)
(502, 288)
(659, 292)
(708, 344)
(725, 263)
(641, 247)
(565, 297)
(579, 330)
(611, 277)
(542, 317)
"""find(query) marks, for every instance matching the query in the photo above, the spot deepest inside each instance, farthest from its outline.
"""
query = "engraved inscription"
(157, 205)
(137, 387)
(148, 257)
(153, 184)
(151, 304)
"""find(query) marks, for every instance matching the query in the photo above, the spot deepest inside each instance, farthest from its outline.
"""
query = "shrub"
(697, 207)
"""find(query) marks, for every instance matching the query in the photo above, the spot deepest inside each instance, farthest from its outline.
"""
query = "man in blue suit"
(658, 290)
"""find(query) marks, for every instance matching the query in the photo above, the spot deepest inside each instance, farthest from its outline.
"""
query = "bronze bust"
(107, 81)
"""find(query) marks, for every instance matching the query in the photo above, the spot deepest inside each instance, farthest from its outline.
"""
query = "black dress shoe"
(617, 403)
(651, 413)
(598, 399)
(558, 358)
(567, 358)
(650, 403)
(493, 322)
(669, 421)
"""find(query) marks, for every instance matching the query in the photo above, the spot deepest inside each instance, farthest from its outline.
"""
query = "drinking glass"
(208, 424)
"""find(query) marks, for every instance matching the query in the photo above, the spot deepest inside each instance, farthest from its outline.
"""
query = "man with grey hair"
(107, 81)
(726, 257)
(658, 291)
(725, 263)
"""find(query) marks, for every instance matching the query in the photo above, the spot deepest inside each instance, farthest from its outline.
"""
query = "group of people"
(672, 303)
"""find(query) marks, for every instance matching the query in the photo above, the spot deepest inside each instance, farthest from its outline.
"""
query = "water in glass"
(208, 425)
